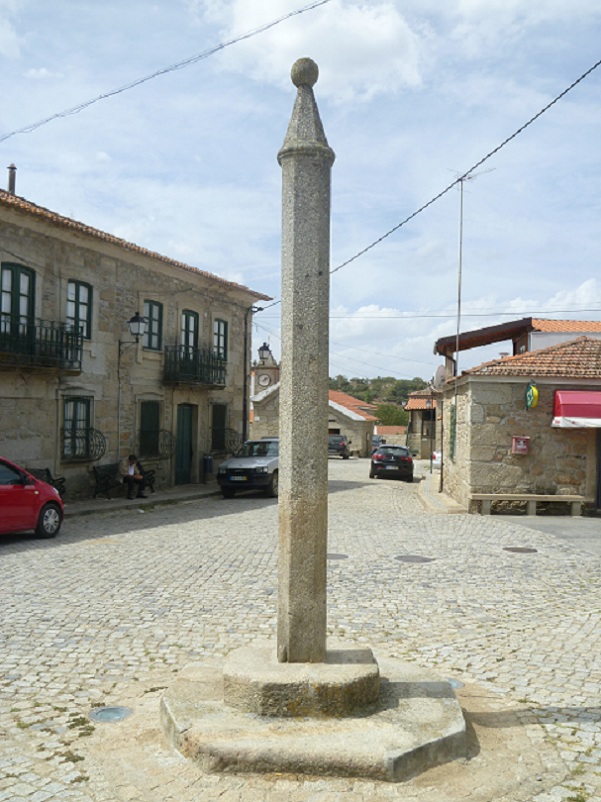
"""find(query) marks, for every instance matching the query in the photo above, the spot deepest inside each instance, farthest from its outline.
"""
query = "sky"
(412, 95)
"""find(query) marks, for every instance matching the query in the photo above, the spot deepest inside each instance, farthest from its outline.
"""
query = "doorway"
(184, 448)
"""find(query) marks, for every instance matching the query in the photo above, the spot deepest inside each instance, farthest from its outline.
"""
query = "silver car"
(253, 467)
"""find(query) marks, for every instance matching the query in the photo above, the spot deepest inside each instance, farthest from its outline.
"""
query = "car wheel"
(371, 475)
(272, 488)
(49, 521)
(228, 492)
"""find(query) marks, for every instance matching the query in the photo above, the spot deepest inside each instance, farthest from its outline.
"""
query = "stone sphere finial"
(304, 72)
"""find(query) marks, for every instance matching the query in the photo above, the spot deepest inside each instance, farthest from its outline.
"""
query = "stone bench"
(531, 499)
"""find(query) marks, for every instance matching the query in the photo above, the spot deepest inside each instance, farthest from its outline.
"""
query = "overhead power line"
(180, 65)
(463, 177)
(467, 173)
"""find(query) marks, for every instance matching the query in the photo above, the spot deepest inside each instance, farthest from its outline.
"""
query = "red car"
(28, 504)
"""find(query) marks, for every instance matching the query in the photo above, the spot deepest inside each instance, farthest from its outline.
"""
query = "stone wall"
(266, 416)
(489, 415)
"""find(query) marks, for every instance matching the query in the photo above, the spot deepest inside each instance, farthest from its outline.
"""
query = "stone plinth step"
(416, 724)
(255, 682)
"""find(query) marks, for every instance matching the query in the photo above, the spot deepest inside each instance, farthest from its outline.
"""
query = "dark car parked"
(394, 462)
(339, 444)
(27, 504)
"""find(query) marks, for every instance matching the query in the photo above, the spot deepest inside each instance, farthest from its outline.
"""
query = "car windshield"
(399, 451)
(259, 448)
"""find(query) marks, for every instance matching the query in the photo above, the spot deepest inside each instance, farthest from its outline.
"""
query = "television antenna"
(461, 179)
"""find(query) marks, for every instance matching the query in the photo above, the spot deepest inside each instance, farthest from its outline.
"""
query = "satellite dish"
(439, 377)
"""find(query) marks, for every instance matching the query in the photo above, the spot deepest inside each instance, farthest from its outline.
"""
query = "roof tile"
(9, 200)
(577, 359)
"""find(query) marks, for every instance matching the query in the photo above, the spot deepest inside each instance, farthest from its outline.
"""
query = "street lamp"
(137, 326)
(264, 352)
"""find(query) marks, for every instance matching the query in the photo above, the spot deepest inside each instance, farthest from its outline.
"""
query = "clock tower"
(266, 371)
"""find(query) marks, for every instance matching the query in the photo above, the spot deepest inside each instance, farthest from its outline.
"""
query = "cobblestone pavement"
(110, 611)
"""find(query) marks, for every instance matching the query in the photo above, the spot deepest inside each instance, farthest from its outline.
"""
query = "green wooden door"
(183, 445)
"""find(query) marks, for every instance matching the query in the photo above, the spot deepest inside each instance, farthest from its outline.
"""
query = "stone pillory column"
(306, 160)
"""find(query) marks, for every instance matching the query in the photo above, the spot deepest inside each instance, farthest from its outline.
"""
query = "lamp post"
(137, 328)
(430, 406)
(250, 311)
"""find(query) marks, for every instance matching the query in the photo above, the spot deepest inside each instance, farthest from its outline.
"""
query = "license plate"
(391, 467)
(237, 478)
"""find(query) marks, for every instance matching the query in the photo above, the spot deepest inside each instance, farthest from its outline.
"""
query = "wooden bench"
(531, 499)
(107, 478)
(45, 474)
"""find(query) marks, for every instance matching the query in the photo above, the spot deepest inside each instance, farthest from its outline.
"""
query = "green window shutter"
(150, 416)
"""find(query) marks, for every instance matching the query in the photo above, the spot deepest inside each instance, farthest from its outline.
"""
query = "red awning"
(577, 409)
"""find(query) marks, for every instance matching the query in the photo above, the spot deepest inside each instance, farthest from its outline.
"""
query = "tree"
(391, 415)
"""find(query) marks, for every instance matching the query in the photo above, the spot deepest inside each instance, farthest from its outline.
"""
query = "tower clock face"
(264, 380)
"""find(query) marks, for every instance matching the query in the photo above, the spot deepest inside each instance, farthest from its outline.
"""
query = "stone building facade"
(77, 389)
(423, 433)
(494, 442)
(346, 415)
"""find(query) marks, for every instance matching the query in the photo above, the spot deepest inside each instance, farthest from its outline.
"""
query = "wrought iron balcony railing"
(41, 344)
(185, 365)
(83, 444)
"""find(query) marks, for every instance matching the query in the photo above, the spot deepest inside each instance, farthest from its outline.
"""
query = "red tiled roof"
(577, 359)
(391, 430)
(566, 325)
(354, 404)
(511, 330)
(22, 205)
(426, 402)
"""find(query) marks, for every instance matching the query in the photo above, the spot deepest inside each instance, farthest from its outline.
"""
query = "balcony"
(43, 344)
(185, 365)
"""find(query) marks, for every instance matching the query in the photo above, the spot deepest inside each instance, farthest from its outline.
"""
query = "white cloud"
(362, 51)
(39, 73)
(9, 40)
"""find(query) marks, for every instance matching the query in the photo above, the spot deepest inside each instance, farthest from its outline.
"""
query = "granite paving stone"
(114, 608)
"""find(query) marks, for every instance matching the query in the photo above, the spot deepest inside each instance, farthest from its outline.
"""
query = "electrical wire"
(460, 178)
(448, 315)
(466, 175)
(180, 65)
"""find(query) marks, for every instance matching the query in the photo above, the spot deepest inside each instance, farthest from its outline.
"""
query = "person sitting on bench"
(133, 474)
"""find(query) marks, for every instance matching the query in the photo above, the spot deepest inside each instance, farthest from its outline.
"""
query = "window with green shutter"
(220, 338)
(79, 307)
(218, 427)
(150, 424)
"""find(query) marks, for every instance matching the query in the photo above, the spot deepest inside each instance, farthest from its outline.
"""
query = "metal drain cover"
(337, 556)
(413, 558)
(520, 550)
(110, 714)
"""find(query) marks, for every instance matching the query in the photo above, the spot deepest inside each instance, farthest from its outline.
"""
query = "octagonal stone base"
(415, 724)
(254, 682)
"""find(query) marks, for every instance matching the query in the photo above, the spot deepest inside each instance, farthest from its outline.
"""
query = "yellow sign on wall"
(531, 396)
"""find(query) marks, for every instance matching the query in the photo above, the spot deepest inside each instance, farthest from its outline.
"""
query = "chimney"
(12, 178)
